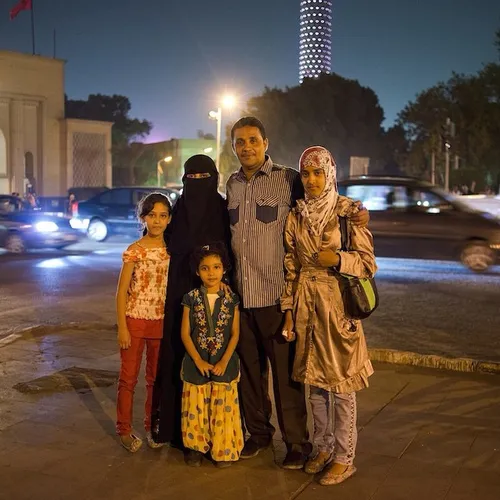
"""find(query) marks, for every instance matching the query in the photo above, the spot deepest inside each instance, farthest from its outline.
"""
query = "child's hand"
(204, 367)
(220, 368)
(288, 327)
(124, 339)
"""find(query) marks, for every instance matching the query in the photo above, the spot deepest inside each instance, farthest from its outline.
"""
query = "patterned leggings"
(340, 437)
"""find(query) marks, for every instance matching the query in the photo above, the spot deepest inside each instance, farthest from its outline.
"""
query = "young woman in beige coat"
(331, 353)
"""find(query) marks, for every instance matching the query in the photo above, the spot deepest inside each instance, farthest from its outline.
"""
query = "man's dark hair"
(249, 121)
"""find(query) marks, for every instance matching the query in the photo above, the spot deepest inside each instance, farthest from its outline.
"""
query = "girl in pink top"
(140, 303)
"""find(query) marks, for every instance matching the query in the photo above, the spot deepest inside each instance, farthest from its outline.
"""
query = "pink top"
(147, 291)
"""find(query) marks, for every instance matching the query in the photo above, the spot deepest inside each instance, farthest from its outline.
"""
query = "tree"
(208, 137)
(394, 159)
(472, 103)
(332, 111)
(126, 131)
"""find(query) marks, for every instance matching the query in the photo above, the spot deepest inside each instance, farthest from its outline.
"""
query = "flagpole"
(33, 25)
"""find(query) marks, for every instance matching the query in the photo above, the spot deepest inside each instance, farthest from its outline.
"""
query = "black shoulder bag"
(360, 295)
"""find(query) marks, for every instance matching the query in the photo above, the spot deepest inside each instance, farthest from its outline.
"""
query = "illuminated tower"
(315, 43)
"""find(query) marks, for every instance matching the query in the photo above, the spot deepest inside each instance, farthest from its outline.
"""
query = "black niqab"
(200, 214)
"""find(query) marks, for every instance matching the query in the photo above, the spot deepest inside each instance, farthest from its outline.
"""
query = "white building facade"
(39, 148)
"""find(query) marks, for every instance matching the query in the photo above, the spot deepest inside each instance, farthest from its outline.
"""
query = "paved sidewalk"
(423, 434)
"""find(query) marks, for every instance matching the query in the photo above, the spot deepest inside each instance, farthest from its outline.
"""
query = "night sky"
(173, 58)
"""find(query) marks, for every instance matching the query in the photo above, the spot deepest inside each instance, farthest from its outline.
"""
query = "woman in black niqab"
(199, 217)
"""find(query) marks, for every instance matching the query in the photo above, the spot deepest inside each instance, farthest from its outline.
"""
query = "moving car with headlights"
(114, 211)
(410, 218)
(22, 228)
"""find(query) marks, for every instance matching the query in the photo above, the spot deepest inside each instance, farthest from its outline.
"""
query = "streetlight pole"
(217, 116)
(159, 169)
(219, 130)
(228, 102)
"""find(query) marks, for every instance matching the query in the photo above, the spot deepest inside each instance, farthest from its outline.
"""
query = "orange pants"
(131, 359)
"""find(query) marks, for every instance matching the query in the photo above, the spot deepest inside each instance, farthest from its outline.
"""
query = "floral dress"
(210, 419)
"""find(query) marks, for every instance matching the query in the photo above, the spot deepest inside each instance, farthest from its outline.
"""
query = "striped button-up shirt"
(258, 209)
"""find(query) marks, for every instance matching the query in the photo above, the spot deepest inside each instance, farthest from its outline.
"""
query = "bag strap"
(344, 235)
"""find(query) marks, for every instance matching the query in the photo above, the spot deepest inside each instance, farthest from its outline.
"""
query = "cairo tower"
(315, 43)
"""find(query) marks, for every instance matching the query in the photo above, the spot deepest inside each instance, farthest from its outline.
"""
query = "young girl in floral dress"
(140, 302)
(210, 420)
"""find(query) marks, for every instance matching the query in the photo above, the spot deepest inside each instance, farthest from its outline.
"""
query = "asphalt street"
(428, 307)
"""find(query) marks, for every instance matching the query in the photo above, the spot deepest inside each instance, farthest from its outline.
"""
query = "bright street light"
(228, 101)
(159, 169)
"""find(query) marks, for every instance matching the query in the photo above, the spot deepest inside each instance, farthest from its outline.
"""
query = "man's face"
(250, 148)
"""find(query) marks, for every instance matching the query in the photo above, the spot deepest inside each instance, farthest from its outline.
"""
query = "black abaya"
(200, 217)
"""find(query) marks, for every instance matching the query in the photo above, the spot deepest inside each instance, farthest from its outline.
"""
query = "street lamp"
(159, 169)
(228, 101)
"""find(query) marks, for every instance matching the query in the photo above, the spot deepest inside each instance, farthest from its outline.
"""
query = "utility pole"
(448, 133)
(433, 167)
(447, 166)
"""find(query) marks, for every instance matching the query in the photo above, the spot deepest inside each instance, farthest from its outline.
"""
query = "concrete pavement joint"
(295, 495)
(39, 330)
(467, 365)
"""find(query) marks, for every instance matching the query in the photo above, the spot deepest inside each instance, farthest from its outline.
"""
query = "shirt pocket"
(234, 213)
(266, 209)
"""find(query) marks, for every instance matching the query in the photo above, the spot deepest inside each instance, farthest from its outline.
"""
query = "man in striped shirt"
(260, 196)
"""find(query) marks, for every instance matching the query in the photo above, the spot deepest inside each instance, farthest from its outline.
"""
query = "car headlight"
(46, 226)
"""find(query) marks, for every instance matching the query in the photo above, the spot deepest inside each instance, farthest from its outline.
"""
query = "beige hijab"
(319, 211)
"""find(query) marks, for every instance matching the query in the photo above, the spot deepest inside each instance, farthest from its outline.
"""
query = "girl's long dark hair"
(217, 248)
(147, 204)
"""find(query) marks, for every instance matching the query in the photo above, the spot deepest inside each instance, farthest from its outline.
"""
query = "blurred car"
(23, 228)
(53, 205)
(410, 218)
(84, 193)
(114, 211)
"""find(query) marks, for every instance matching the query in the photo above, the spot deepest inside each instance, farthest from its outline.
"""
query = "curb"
(392, 356)
(37, 330)
(466, 365)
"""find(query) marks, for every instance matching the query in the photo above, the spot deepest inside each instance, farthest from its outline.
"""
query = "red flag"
(21, 5)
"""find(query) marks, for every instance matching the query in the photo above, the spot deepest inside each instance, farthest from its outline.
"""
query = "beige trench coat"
(331, 350)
